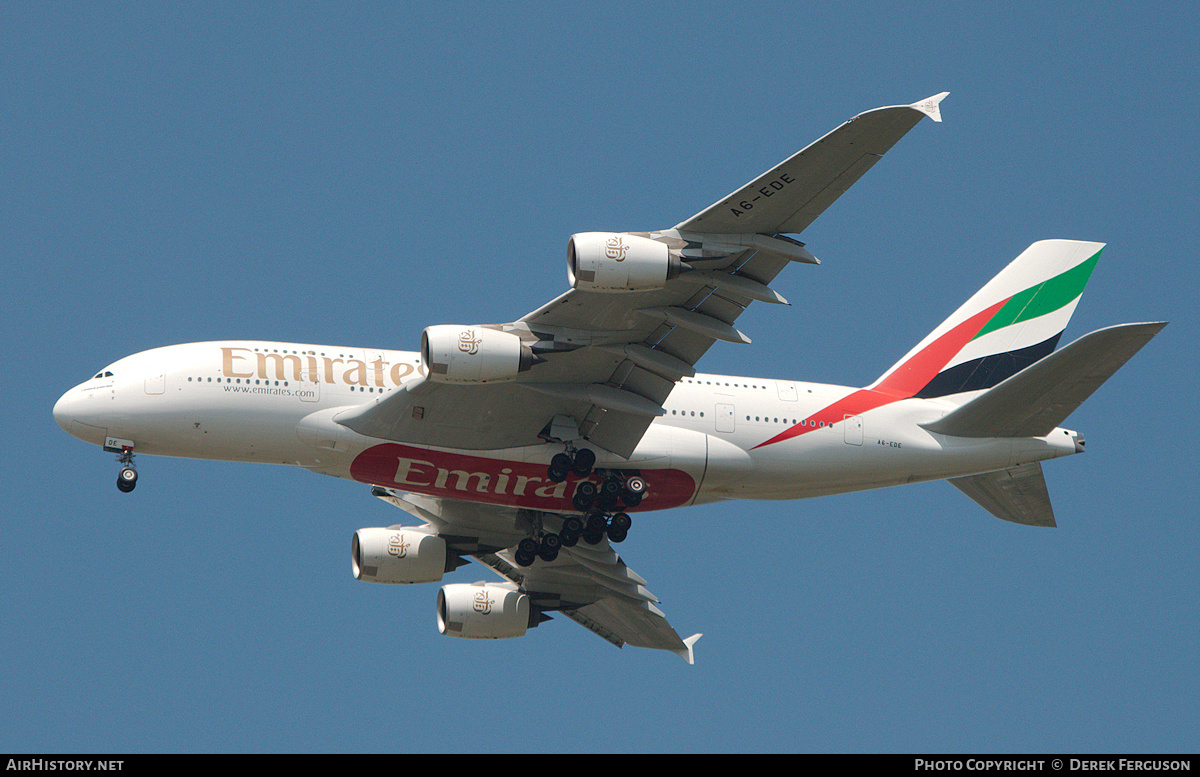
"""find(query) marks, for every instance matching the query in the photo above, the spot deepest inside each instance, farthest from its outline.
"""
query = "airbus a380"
(527, 445)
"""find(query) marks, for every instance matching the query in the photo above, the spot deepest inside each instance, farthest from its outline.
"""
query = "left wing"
(588, 583)
(601, 359)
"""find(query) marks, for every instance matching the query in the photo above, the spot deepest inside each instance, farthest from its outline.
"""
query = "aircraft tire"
(585, 459)
(548, 550)
(572, 528)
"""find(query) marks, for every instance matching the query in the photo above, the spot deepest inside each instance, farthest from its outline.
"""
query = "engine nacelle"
(607, 262)
(397, 556)
(473, 354)
(482, 611)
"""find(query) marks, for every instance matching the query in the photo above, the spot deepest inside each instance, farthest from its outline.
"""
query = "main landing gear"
(590, 528)
(600, 502)
(579, 462)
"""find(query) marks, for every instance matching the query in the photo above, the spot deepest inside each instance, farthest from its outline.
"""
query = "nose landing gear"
(127, 478)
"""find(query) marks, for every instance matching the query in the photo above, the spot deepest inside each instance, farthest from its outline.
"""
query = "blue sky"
(351, 173)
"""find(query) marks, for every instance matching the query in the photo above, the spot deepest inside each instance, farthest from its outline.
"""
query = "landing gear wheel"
(548, 550)
(127, 479)
(585, 459)
(572, 528)
(618, 528)
(633, 491)
(527, 550)
(610, 494)
(594, 531)
(559, 467)
(585, 494)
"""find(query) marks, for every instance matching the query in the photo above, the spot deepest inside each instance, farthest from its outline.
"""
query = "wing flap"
(622, 623)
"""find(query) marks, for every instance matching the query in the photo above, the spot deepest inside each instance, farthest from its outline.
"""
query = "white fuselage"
(722, 437)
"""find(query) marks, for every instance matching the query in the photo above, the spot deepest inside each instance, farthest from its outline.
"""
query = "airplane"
(526, 446)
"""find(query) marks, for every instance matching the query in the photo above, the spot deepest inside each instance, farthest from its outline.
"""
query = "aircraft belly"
(505, 477)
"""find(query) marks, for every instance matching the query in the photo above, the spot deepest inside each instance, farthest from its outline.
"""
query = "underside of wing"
(592, 586)
(588, 582)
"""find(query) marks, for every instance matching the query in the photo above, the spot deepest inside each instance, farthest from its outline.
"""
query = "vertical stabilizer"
(1012, 322)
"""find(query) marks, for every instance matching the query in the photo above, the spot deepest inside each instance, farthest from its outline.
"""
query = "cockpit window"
(103, 375)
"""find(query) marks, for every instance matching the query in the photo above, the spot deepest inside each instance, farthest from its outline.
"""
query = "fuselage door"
(156, 384)
(854, 429)
(724, 418)
(309, 386)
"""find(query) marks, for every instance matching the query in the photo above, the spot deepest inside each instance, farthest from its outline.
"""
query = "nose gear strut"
(127, 478)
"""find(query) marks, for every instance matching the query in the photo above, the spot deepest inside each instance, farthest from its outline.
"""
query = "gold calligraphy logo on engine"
(483, 603)
(397, 546)
(468, 343)
(615, 248)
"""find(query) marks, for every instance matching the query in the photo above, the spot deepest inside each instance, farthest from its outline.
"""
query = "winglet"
(929, 106)
(686, 652)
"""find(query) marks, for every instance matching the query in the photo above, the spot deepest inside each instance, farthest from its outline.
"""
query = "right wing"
(589, 584)
(790, 196)
(608, 361)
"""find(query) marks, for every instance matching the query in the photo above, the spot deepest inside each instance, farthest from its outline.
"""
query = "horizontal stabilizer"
(1018, 494)
(1038, 398)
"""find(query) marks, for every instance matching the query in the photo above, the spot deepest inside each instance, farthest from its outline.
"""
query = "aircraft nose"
(64, 412)
(76, 413)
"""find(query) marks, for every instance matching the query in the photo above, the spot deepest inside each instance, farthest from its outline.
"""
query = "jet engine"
(482, 611)
(607, 262)
(473, 354)
(397, 556)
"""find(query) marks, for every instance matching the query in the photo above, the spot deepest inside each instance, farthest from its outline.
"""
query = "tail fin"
(1012, 322)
